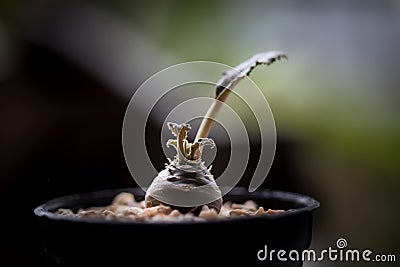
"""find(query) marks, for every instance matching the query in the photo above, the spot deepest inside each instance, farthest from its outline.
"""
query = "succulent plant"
(187, 176)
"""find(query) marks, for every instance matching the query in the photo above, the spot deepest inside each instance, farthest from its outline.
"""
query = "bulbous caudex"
(187, 174)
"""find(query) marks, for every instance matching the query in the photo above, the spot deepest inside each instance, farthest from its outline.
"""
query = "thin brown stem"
(212, 112)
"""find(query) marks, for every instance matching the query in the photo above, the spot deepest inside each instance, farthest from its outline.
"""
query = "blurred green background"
(336, 98)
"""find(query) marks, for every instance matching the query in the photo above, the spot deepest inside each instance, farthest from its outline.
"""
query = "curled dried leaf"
(229, 79)
(232, 76)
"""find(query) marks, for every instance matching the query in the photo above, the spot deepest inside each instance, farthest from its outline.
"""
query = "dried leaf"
(232, 76)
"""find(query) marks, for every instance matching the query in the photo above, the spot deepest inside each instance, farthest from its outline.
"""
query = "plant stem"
(209, 118)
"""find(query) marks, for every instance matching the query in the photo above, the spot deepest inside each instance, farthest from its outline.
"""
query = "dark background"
(69, 68)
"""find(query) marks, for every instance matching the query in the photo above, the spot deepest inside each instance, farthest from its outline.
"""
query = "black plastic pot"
(232, 242)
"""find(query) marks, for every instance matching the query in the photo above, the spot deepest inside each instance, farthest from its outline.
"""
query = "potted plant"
(182, 218)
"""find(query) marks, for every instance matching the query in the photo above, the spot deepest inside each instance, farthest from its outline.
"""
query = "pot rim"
(307, 203)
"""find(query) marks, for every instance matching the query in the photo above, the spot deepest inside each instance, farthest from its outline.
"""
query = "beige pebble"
(175, 213)
(260, 211)
(250, 205)
(208, 214)
(65, 212)
(125, 199)
(270, 211)
(160, 209)
(235, 212)
(132, 211)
